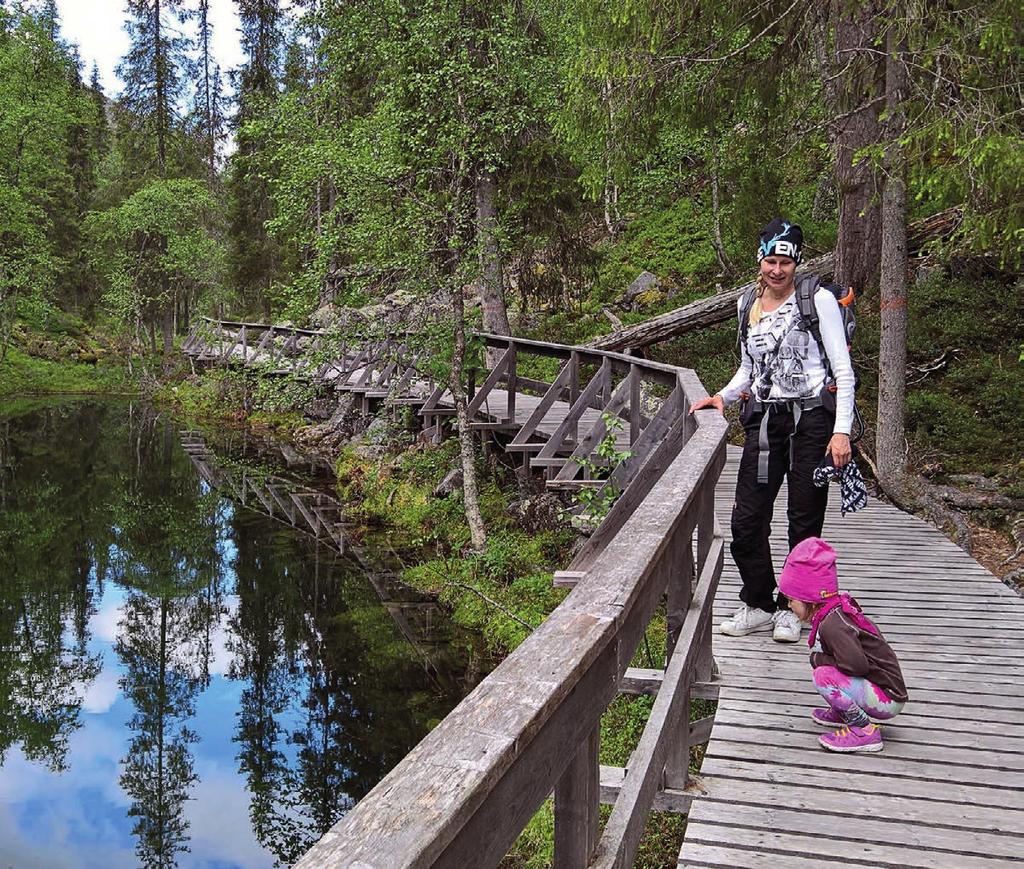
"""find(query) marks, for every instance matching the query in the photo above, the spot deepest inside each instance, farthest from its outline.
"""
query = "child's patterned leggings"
(854, 698)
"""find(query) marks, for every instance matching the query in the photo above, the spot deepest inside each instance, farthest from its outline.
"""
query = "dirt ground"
(992, 549)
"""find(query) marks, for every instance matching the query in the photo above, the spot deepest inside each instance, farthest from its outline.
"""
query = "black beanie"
(781, 238)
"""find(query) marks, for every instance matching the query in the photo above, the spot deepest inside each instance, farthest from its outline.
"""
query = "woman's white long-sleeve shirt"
(780, 361)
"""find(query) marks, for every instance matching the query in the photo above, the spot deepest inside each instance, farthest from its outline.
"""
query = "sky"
(97, 27)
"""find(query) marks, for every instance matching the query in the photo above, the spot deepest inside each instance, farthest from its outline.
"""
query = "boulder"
(644, 284)
(452, 482)
(537, 513)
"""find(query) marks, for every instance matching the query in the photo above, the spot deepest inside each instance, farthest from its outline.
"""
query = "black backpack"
(806, 287)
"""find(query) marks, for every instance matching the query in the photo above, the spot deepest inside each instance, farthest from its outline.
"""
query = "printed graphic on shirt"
(779, 355)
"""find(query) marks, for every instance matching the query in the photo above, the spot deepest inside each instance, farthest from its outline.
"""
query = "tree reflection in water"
(167, 556)
(101, 507)
(44, 586)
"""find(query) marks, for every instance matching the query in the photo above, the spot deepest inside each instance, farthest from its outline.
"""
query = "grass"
(22, 374)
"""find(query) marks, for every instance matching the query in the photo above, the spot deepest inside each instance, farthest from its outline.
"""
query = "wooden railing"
(530, 729)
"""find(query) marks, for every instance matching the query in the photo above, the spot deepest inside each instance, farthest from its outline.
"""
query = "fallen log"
(705, 312)
(722, 306)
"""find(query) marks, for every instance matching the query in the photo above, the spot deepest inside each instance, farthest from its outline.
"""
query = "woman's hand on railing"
(715, 401)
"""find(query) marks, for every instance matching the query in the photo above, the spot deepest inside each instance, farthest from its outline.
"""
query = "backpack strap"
(806, 287)
(744, 322)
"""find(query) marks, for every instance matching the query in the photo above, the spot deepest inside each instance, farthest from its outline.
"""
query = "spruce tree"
(254, 255)
(100, 123)
(208, 119)
(152, 72)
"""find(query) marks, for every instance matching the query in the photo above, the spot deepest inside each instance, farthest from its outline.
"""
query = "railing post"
(574, 387)
(511, 408)
(705, 537)
(577, 803)
(634, 403)
(245, 346)
(679, 564)
(606, 380)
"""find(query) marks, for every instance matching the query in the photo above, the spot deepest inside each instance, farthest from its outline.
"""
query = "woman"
(797, 407)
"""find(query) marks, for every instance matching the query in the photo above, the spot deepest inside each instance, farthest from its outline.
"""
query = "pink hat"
(810, 572)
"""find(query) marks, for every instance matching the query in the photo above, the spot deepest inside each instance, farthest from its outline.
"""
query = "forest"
(534, 158)
(579, 172)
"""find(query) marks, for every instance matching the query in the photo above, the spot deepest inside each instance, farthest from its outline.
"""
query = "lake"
(196, 668)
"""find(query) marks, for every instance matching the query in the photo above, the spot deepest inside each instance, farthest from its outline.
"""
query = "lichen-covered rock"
(537, 513)
(330, 437)
(452, 482)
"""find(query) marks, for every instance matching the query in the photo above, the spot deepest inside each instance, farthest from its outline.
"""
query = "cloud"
(97, 28)
(102, 692)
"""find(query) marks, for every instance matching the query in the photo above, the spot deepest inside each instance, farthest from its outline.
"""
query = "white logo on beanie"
(786, 248)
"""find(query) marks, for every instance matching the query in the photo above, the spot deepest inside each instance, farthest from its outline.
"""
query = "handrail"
(462, 796)
(465, 792)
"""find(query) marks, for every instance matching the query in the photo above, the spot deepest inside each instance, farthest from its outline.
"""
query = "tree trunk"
(167, 331)
(856, 105)
(716, 238)
(162, 108)
(892, 351)
(467, 451)
(492, 297)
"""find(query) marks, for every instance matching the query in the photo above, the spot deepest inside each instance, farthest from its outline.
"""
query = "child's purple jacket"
(856, 652)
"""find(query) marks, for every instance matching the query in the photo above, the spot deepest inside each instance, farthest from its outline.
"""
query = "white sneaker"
(746, 620)
(787, 627)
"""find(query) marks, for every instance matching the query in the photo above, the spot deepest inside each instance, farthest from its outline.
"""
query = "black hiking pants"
(795, 459)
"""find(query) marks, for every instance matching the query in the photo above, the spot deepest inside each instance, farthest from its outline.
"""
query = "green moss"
(22, 374)
(671, 242)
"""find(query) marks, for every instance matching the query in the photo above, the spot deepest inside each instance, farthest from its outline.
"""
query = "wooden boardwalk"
(947, 791)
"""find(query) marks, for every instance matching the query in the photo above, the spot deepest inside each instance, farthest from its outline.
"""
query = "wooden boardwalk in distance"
(948, 789)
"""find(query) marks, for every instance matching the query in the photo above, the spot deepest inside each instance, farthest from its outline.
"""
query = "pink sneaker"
(827, 717)
(853, 739)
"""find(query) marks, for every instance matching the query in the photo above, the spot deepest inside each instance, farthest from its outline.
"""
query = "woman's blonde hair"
(755, 309)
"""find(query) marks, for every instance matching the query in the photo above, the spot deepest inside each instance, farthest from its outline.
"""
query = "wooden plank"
(835, 822)
(657, 432)
(979, 798)
(588, 443)
(637, 493)
(797, 720)
(638, 680)
(522, 438)
(910, 763)
(665, 800)
(699, 854)
(577, 798)
(807, 844)
(571, 418)
(500, 368)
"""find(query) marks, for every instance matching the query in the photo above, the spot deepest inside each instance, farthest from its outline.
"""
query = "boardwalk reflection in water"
(184, 680)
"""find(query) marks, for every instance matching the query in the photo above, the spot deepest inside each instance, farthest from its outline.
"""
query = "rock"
(330, 437)
(378, 432)
(368, 451)
(331, 316)
(644, 283)
(536, 513)
(1015, 580)
(452, 482)
(320, 409)
(926, 270)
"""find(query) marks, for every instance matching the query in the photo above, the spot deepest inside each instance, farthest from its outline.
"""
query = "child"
(856, 670)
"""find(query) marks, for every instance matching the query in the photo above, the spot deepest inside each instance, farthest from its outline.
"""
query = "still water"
(184, 679)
